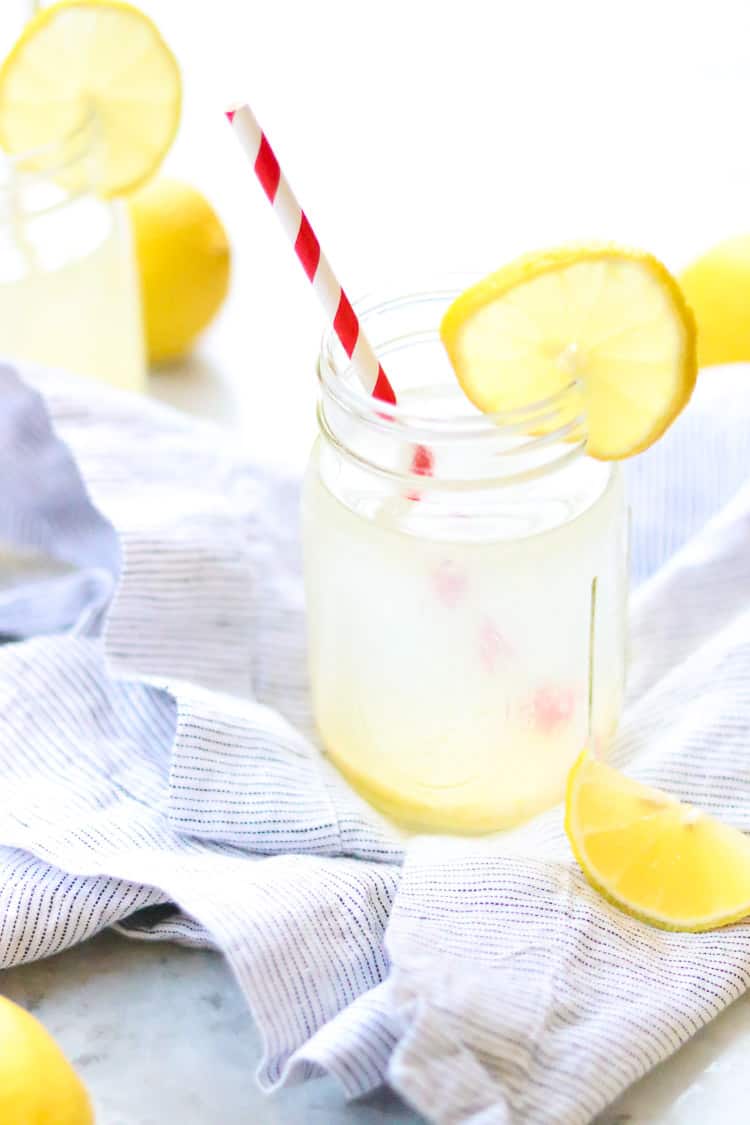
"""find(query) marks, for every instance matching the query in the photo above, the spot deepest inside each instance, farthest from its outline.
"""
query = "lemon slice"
(664, 862)
(99, 56)
(613, 318)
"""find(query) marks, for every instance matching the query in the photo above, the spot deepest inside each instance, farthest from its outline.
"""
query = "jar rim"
(342, 386)
(465, 447)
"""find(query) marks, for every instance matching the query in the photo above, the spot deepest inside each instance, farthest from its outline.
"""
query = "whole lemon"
(184, 261)
(717, 286)
(38, 1086)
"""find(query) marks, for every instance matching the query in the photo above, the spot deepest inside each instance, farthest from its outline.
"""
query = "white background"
(423, 137)
(426, 137)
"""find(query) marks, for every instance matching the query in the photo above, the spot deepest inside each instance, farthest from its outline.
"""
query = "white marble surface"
(162, 1036)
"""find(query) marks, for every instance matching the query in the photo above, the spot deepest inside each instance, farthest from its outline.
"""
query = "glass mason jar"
(69, 294)
(466, 628)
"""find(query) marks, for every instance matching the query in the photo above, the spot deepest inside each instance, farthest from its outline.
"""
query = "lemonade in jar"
(89, 105)
(467, 622)
(69, 294)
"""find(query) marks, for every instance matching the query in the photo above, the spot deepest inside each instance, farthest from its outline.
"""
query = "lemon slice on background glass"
(613, 318)
(99, 56)
(664, 862)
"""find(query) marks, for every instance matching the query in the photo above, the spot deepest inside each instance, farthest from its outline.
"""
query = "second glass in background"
(69, 292)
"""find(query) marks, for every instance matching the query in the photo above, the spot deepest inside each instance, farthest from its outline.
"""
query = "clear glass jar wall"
(69, 294)
(466, 629)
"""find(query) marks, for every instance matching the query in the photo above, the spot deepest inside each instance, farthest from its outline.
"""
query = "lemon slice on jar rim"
(613, 318)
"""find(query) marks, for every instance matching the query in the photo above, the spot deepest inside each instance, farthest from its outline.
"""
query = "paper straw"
(307, 248)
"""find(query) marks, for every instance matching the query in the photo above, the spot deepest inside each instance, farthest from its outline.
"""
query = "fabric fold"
(303, 933)
(241, 774)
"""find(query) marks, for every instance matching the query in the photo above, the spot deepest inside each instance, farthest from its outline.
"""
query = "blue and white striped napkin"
(158, 770)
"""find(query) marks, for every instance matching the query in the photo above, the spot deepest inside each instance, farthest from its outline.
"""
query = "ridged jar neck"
(466, 448)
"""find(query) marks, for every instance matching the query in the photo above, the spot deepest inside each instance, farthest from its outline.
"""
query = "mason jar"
(69, 293)
(466, 625)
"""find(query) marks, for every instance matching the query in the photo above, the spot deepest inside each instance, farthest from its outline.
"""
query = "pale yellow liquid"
(69, 294)
(456, 673)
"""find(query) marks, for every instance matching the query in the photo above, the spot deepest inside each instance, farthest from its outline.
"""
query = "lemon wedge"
(93, 56)
(664, 862)
(615, 319)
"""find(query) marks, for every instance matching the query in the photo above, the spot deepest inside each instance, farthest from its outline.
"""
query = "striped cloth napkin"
(159, 773)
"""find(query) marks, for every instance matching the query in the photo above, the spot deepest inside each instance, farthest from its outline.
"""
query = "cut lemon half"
(664, 862)
(99, 57)
(612, 318)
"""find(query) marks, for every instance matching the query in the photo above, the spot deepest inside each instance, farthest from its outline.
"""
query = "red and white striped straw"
(315, 264)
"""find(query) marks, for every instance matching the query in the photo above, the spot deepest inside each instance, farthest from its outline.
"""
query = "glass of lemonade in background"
(69, 294)
(467, 628)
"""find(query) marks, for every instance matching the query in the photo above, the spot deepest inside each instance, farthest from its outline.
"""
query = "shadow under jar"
(467, 628)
